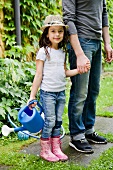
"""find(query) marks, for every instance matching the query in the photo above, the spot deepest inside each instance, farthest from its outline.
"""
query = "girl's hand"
(88, 66)
(31, 105)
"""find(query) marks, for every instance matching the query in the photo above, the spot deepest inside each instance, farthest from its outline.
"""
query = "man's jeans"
(53, 104)
(84, 90)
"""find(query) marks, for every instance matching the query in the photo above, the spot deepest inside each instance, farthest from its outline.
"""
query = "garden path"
(102, 124)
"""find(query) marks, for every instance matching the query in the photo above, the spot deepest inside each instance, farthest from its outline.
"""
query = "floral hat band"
(53, 20)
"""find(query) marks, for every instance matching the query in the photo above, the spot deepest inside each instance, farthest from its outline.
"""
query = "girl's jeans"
(53, 104)
(84, 90)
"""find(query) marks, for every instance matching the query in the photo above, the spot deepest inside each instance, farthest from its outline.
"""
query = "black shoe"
(95, 138)
(81, 146)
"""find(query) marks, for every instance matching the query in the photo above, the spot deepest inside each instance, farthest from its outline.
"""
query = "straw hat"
(53, 20)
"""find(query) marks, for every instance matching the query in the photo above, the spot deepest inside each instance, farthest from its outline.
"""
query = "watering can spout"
(6, 130)
(31, 120)
(17, 129)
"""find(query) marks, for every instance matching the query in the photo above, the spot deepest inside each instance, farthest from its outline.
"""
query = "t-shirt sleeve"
(41, 54)
(105, 15)
(69, 15)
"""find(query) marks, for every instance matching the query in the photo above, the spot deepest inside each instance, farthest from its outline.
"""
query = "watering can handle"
(38, 104)
(24, 108)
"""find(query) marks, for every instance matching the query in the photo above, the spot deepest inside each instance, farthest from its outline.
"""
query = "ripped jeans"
(53, 104)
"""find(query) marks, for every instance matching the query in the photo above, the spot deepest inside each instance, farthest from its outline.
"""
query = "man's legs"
(89, 111)
(79, 95)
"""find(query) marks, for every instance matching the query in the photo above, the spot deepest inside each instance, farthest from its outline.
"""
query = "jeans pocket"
(84, 41)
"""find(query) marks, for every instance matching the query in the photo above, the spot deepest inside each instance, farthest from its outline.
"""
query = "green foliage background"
(32, 15)
(110, 16)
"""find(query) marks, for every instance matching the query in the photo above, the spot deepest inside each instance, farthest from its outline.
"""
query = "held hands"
(88, 66)
(83, 64)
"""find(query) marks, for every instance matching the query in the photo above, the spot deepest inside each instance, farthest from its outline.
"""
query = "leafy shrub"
(16, 80)
(32, 14)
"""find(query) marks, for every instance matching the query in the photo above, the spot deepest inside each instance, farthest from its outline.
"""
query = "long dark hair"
(45, 42)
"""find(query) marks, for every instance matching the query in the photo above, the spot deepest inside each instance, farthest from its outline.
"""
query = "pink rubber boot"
(45, 152)
(56, 149)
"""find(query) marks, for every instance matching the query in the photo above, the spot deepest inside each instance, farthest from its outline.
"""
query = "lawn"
(11, 158)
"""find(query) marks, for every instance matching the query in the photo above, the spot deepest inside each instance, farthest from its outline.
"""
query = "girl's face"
(55, 35)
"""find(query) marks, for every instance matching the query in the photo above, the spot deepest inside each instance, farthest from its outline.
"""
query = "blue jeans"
(84, 90)
(53, 104)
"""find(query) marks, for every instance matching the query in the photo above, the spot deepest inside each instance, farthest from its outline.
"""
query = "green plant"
(105, 98)
(32, 15)
(16, 80)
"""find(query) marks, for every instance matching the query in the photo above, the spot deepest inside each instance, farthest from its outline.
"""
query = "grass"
(105, 98)
(11, 158)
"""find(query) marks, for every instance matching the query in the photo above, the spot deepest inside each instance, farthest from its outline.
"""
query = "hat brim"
(49, 25)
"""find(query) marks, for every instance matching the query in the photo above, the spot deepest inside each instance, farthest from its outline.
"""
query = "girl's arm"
(70, 73)
(37, 79)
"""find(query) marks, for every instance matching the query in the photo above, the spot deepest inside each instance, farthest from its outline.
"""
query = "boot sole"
(49, 160)
(96, 142)
(87, 151)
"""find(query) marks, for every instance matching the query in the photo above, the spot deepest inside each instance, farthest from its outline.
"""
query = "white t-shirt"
(53, 71)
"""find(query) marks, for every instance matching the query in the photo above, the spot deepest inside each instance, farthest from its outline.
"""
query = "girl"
(50, 77)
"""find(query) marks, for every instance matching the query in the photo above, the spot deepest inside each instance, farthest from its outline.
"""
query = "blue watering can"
(31, 120)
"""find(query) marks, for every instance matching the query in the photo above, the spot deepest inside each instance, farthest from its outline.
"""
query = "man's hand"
(109, 53)
(83, 64)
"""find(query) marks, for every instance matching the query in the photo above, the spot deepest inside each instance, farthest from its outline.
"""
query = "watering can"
(31, 120)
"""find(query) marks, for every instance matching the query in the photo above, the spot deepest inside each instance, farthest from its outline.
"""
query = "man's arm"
(69, 16)
(105, 34)
(107, 45)
(82, 60)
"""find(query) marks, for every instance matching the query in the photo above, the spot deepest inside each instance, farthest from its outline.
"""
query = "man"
(88, 24)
